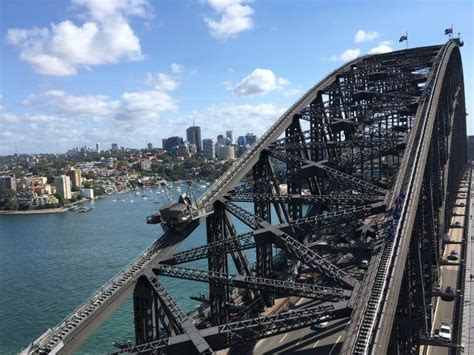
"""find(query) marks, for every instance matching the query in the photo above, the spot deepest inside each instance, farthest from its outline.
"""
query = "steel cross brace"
(352, 180)
(267, 231)
(256, 283)
(240, 242)
(186, 325)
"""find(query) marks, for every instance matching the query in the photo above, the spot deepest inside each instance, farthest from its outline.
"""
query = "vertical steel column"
(293, 169)
(218, 295)
(146, 310)
(261, 172)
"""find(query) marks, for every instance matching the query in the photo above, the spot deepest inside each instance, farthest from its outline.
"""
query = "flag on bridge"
(449, 31)
(403, 37)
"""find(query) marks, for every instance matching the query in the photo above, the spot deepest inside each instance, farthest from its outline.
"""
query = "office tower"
(171, 142)
(208, 148)
(150, 146)
(229, 135)
(114, 146)
(193, 136)
(241, 140)
(250, 138)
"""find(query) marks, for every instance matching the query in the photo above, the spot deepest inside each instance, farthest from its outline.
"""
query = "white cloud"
(221, 117)
(57, 102)
(362, 36)
(383, 47)
(104, 39)
(132, 106)
(235, 18)
(259, 82)
(176, 68)
(160, 81)
(85, 119)
(347, 55)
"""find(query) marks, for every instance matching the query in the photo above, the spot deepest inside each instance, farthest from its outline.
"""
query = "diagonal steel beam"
(267, 231)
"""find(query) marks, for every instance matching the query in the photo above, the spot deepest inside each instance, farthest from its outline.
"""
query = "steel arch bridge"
(365, 163)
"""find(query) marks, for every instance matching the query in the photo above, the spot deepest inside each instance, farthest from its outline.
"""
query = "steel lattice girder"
(223, 336)
(333, 199)
(228, 245)
(300, 251)
(256, 283)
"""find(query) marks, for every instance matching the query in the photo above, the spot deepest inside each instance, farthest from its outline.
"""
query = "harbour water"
(50, 264)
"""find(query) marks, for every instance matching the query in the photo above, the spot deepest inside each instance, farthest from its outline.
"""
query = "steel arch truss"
(364, 161)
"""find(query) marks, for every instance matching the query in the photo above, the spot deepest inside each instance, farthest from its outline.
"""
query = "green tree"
(60, 198)
(8, 200)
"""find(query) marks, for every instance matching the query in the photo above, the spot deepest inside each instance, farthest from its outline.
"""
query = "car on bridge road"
(454, 255)
(448, 294)
(445, 332)
(320, 325)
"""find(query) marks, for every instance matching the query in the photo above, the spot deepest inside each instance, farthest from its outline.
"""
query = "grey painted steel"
(257, 283)
(239, 332)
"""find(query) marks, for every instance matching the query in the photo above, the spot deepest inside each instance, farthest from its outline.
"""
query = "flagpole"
(407, 40)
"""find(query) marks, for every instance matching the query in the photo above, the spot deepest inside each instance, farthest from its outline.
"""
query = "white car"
(445, 332)
(321, 325)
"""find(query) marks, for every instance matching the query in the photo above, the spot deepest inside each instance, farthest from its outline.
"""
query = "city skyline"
(133, 88)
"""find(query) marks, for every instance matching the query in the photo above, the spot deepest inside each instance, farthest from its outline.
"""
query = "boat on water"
(84, 209)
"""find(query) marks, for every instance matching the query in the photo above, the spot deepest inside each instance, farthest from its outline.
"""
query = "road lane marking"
(340, 336)
(316, 344)
(299, 341)
(284, 336)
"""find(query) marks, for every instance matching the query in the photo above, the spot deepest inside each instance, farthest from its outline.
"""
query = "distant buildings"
(250, 138)
(87, 193)
(76, 178)
(229, 135)
(193, 136)
(63, 186)
(241, 140)
(8, 182)
(172, 142)
(114, 147)
(97, 148)
(220, 151)
(150, 146)
(208, 148)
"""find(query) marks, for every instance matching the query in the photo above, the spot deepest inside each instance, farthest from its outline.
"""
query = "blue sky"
(136, 71)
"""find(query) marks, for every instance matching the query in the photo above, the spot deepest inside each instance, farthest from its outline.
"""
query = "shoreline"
(26, 212)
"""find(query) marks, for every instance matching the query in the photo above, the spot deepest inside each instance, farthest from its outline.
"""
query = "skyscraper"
(150, 146)
(114, 146)
(229, 137)
(209, 151)
(193, 136)
(63, 186)
(250, 138)
(97, 147)
(241, 140)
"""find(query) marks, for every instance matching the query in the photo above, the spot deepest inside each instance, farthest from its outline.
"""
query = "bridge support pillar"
(264, 254)
(146, 312)
(218, 294)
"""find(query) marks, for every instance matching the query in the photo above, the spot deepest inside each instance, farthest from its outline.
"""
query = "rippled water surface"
(50, 264)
